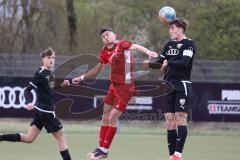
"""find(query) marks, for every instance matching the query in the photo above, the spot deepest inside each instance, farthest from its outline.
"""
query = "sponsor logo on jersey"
(172, 52)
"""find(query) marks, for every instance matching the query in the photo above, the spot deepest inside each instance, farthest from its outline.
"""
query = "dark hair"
(104, 29)
(48, 52)
(180, 23)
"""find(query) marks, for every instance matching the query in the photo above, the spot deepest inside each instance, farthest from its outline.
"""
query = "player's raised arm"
(91, 74)
(142, 49)
(158, 63)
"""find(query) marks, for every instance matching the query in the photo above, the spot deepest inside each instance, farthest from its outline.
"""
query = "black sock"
(181, 137)
(171, 138)
(65, 155)
(11, 137)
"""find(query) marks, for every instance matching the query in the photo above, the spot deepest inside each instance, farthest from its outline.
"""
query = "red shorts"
(119, 95)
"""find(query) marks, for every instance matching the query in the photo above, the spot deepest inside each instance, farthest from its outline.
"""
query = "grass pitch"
(134, 141)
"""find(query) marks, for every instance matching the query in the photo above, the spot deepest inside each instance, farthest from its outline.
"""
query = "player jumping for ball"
(177, 55)
(118, 55)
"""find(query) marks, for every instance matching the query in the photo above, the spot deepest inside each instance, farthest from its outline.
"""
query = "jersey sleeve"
(189, 49)
(32, 84)
(102, 58)
(125, 45)
(36, 80)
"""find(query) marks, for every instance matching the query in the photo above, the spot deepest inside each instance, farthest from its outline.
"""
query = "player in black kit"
(44, 116)
(178, 56)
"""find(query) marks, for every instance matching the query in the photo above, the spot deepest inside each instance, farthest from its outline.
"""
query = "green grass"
(135, 141)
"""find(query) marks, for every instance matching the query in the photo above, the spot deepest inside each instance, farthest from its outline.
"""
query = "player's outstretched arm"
(142, 49)
(91, 74)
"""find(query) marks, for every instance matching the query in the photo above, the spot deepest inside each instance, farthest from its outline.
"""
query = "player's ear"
(114, 35)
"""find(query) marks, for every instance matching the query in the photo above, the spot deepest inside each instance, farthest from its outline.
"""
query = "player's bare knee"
(62, 139)
(181, 119)
(105, 119)
(170, 125)
(170, 121)
(169, 117)
(29, 139)
(112, 121)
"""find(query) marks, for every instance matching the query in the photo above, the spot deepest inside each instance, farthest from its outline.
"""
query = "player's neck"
(111, 45)
(181, 37)
(46, 67)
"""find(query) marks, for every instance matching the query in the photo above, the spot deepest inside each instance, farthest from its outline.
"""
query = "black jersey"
(179, 55)
(43, 82)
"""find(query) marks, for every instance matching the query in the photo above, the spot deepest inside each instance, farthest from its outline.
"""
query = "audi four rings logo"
(14, 97)
(172, 52)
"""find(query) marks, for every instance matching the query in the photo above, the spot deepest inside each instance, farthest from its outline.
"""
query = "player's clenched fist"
(65, 83)
(77, 80)
(152, 54)
(29, 106)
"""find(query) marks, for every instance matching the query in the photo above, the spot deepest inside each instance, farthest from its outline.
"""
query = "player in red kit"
(118, 55)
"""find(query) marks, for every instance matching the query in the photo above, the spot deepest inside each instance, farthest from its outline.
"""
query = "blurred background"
(71, 28)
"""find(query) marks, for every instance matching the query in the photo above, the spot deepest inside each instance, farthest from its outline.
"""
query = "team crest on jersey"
(179, 45)
(182, 101)
(190, 48)
(51, 81)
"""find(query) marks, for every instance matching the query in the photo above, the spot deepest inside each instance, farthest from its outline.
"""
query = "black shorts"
(179, 100)
(47, 120)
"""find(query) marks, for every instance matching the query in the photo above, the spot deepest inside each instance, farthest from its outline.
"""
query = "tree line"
(71, 26)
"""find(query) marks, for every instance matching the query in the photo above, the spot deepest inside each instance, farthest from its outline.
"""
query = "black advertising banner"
(210, 102)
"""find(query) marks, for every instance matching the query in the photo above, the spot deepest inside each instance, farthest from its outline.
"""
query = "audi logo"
(14, 97)
(172, 52)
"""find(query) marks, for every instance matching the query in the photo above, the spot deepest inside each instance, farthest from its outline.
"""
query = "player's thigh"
(181, 108)
(37, 121)
(52, 124)
(111, 97)
(183, 99)
(124, 95)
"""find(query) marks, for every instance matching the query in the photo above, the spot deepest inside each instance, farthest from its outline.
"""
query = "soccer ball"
(166, 14)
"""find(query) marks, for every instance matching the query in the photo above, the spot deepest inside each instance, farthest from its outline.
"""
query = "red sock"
(102, 135)
(109, 137)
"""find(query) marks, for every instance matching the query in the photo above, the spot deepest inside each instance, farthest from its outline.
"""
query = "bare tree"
(72, 24)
